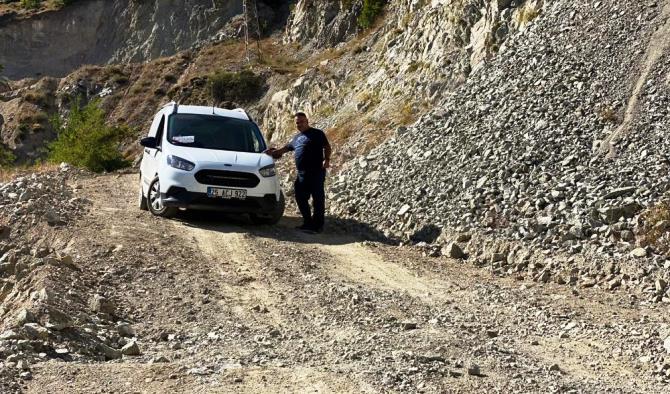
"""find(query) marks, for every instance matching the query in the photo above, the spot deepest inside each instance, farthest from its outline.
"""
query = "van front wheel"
(272, 218)
(142, 199)
(155, 204)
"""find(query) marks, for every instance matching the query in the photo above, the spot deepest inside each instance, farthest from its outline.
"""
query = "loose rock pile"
(38, 198)
(518, 154)
(46, 310)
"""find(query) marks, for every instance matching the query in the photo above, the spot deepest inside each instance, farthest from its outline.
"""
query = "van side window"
(160, 132)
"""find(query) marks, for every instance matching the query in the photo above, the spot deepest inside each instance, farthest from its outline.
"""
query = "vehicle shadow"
(338, 231)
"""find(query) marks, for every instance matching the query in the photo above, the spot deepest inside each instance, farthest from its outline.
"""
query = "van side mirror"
(148, 142)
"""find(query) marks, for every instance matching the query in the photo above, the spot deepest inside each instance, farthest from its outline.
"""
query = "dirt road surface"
(220, 305)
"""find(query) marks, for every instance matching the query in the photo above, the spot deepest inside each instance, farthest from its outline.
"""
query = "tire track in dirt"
(351, 260)
(226, 247)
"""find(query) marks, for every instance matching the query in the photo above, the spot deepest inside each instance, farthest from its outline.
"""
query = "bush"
(654, 230)
(30, 4)
(236, 86)
(6, 156)
(84, 140)
(370, 12)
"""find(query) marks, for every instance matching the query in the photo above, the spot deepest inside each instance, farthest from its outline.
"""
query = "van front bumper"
(181, 198)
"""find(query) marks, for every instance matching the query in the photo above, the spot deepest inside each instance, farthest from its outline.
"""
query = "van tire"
(274, 217)
(154, 201)
(142, 199)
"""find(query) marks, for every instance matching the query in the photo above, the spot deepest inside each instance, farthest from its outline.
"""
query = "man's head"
(301, 121)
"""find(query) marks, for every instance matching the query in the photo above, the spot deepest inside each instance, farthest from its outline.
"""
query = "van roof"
(237, 113)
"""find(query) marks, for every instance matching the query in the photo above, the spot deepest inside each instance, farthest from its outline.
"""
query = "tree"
(85, 140)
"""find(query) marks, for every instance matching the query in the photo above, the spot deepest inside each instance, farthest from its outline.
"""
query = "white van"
(208, 158)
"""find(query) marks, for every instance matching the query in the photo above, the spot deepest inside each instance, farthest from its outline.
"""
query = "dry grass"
(528, 14)
(7, 174)
(407, 114)
(655, 228)
(608, 115)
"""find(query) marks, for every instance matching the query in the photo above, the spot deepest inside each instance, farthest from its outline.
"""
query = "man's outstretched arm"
(277, 153)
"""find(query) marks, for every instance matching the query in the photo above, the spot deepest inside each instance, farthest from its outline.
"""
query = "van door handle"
(146, 150)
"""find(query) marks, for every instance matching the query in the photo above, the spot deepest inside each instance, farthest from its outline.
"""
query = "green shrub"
(6, 156)
(30, 4)
(236, 86)
(370, 12)
(84, 140)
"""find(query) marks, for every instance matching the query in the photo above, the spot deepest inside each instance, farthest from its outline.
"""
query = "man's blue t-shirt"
(308, 146)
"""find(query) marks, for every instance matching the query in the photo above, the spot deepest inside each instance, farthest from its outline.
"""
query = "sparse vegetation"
(655, 229)
(527, 14)
(240, 86)
(608, 115)
(6, 156)
(37, 98)
(407, 114)
(371, 10)
(327, 110)
(85, 140)
(31, 4)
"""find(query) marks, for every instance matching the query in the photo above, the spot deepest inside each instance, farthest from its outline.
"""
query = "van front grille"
(227, 178)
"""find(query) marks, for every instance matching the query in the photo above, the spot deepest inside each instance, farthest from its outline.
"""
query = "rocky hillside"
(558, 144)
(359, 84)
(55, 43)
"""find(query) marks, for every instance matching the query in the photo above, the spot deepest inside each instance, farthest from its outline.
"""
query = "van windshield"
(214, 132)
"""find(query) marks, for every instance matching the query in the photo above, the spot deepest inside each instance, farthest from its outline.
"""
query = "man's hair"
(300, 114)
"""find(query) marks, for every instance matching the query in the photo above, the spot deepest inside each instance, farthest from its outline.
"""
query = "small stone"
(454, 251)
(403, 210)
(125, 330)
(408, 325)
(35, 331)
(24, 316)
(159, 359)
(666, 345)
(492, 333)
(100, 304)
(108, 352)
(639, 252)
(554, 367)
(474, 370)
(131, 349)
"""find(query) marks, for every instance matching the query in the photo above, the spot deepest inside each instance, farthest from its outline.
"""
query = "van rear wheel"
(155, 204)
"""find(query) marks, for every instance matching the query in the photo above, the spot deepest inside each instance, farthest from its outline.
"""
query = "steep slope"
(55, 43)
(514, 153)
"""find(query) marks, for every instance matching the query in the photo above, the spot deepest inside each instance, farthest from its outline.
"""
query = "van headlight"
(179, 163)
(268, 171)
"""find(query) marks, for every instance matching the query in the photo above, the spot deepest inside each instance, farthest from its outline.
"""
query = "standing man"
(312, 158)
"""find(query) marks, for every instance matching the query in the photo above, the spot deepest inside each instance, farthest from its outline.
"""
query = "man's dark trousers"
(311, 184)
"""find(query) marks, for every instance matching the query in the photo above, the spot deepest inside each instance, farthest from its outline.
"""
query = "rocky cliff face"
(391, 74)
(96, 32)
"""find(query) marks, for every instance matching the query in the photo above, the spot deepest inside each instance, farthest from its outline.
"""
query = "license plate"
(218, 192)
